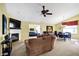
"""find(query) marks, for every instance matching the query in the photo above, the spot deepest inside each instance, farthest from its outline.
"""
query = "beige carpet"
(18, 49)
(67, 48)
(61, 48)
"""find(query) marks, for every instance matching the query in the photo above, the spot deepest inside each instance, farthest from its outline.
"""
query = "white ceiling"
(32, 11)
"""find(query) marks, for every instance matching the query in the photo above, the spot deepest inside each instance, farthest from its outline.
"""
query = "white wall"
(12, 31)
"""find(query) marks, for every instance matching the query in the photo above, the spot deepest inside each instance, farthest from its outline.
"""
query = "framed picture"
(4, 24)
(49, 29)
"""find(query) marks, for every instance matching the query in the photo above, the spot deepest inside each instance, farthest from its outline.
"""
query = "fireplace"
(14, 36)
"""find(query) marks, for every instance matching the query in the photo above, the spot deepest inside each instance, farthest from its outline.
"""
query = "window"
(37, 28)
(34, 27)
(71, 29)
(11, 25)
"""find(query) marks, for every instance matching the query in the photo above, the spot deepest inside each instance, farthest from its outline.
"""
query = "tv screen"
(15, 24)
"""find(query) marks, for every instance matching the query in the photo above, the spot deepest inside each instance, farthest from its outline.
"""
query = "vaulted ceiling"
(32, 11)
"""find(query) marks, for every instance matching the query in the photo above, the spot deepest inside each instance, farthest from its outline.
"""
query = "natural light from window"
(71, 29)
(35, 27)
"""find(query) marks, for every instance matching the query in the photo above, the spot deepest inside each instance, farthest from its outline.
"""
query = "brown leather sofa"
(39, 45)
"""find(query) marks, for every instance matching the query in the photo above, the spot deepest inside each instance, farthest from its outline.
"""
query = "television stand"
(6, 47)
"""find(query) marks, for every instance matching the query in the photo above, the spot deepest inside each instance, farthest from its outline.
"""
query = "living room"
(23, 19)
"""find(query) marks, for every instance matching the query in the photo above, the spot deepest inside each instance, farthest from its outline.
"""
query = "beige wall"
(24, 30)
(58, 27)
(3, 11)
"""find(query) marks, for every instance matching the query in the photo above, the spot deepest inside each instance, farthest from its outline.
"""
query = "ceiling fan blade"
(47, 10)
(43, 7)
(48, 13)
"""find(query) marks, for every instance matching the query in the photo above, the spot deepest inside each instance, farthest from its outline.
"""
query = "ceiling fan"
(45, 12)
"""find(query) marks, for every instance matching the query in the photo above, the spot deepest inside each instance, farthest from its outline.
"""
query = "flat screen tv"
(4, 24)
(15, 24)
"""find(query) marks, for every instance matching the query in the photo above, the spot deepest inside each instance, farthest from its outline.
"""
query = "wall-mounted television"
(4, 24)
(15, 24)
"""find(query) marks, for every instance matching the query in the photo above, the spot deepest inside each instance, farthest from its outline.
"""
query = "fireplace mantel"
(14, 31)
